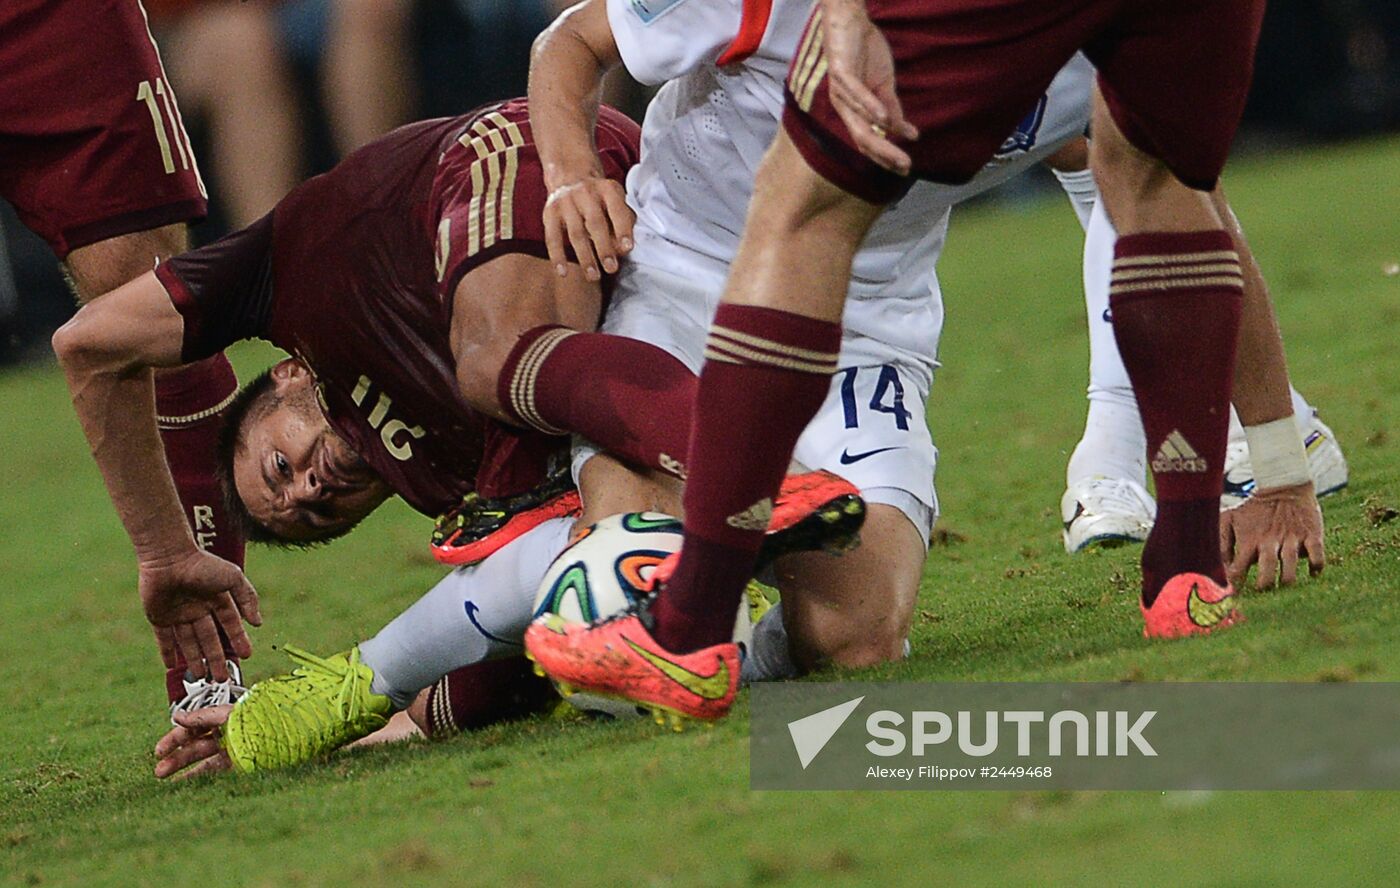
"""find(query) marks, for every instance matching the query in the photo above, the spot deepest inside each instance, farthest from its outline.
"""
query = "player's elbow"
(82, 347)
(70, 344)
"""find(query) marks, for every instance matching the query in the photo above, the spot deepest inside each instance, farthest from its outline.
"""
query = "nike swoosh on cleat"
(711, 687)
(848, 458)
(1207, 613)
(472, 607)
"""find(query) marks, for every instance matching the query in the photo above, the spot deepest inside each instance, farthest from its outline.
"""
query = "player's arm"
(108, 351)
(1281, 522)
(585, 209)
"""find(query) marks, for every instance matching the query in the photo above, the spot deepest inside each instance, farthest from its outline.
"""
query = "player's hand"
(188, 598)
(860, 80)
(194, 746)
(591, 215)
(1274, 528)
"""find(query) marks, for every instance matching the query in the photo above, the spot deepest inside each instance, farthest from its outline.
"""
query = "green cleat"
(322, 705)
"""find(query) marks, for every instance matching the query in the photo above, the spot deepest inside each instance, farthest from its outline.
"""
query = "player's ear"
(289, 372)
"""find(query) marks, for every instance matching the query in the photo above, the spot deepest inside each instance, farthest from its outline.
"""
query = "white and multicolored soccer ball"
(605, 571)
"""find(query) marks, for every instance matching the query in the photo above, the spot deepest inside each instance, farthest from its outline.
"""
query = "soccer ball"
(605, 571)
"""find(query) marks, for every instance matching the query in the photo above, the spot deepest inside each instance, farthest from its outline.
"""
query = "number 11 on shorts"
(155, 94)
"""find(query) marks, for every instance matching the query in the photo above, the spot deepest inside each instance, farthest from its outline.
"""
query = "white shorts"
(871, 430)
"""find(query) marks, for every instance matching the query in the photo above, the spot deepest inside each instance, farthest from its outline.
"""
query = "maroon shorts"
(91, 141)
(1175, 75)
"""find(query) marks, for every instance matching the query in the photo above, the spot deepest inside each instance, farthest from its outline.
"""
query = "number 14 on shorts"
(888, 397)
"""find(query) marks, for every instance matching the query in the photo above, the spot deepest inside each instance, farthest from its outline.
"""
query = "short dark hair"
(248, 403)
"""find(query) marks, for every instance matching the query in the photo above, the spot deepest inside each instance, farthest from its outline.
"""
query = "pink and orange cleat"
(618, 658)
(1190, 604)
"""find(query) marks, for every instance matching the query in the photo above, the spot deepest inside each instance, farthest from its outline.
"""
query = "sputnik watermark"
(1103, 736)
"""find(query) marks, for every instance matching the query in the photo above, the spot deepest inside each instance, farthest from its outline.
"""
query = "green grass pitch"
(550, 803)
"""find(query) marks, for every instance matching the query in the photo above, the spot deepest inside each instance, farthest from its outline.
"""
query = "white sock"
(1083, 194)
(1114, 444)
(475, 613)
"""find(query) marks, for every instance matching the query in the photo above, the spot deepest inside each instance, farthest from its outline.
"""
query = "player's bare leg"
(367, 74)
(1176, 300)
(854, 610)
(256, 140)
(189, 399)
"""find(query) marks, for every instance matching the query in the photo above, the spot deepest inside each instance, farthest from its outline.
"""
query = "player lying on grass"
(400, 282)
(98, 164)
(1104, 499)
(394, 280)
(1178, 289)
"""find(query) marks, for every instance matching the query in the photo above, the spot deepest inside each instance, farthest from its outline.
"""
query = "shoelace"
(209, 693)
(351, 681)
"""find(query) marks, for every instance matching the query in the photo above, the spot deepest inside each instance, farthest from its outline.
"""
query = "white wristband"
(1277, 455)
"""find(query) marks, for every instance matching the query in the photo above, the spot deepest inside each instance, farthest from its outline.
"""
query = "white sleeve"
(660, 40)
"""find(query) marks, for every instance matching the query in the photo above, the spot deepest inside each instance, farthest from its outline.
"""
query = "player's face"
(297, 477)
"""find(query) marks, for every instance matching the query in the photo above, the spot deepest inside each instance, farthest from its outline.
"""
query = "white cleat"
(1325, 461)
(1101, 511)
(201, 693)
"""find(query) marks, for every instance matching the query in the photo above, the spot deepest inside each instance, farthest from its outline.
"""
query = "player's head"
(289, 477)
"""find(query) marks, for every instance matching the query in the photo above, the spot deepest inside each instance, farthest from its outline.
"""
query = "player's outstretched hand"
(591, 215)
(1274, 528)
(193, 746)
(860, 79)
(188, 599)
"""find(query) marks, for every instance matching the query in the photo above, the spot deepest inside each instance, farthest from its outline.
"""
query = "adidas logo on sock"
(755, 517)
(1177, 455)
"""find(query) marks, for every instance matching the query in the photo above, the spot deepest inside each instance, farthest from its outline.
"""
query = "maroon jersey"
(91, 141)
(354, 271)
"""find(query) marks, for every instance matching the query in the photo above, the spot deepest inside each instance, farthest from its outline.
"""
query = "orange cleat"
(478, 526)
(618, 658)
(1190, 604)
(814, 510)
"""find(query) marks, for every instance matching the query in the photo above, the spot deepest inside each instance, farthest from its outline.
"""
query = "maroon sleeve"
(224, 290)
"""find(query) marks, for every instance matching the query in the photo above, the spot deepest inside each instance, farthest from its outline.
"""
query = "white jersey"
(724, 67)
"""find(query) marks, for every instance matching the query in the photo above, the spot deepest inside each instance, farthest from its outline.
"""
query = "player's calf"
(854, 610)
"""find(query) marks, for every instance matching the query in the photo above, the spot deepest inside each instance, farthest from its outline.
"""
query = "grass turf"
(542, 803)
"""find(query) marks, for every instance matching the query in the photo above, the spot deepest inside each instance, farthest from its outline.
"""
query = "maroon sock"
(627, 396)
(766, 374)
(190, 403)
(484, 693)
(1176, 301)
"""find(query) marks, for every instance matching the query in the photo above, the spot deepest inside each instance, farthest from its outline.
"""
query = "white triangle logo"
(811, 733)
